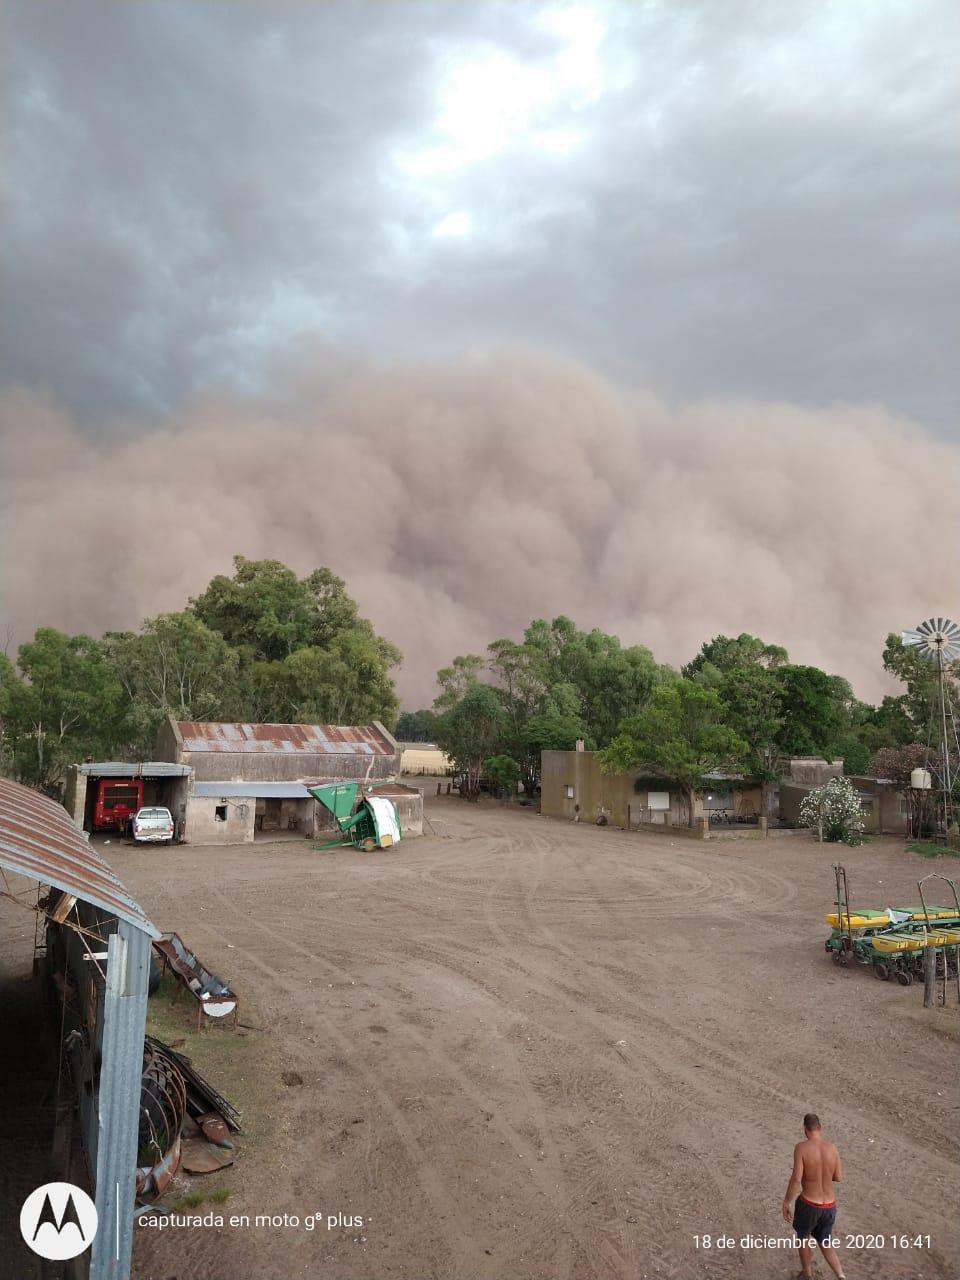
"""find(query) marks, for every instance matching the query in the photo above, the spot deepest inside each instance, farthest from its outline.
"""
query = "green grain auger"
(373, 823)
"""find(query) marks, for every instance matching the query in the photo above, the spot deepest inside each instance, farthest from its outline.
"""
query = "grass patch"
(191, 1201)
(238, 1062)
(930, 849)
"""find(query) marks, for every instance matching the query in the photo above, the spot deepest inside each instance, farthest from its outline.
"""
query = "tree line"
(265, 645)
(261, 645)
(739, 706)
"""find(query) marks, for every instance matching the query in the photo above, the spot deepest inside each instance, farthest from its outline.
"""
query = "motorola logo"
(58, 1221)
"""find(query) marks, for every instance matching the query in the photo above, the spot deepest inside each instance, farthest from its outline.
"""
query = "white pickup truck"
(153, 824)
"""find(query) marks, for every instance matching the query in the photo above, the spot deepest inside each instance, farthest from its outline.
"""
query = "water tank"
(920, 778)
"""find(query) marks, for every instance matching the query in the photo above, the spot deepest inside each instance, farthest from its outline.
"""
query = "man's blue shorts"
(814, 1221)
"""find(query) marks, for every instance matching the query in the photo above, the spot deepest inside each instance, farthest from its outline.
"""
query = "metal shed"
(92, 907)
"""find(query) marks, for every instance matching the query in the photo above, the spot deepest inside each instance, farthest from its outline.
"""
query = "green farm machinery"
(367, 822)
(892, 941)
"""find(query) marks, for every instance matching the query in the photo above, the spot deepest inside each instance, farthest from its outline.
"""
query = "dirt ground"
(530, 1049)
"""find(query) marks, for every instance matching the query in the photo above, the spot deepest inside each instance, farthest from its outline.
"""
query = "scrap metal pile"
(893, 940)
(213, 996)
(184, 1122)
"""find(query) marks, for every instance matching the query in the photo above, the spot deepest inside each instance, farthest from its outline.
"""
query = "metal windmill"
(938, 641)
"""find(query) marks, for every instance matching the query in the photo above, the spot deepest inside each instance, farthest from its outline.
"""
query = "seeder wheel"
(904, 978)
(881, 971)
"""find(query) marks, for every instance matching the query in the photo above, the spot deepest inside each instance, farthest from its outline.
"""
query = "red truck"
(117, 800)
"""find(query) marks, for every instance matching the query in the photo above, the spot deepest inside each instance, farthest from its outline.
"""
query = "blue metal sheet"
(253, 790)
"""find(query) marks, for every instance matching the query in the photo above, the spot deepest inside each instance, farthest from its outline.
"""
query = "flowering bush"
(834, 810)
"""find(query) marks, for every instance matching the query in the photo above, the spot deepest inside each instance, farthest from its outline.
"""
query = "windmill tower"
(938, 641)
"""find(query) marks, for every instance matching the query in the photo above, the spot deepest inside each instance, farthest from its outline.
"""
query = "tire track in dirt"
(737, 1065)
(655, 1091)
(544, 1179)
(623, 1263)
(742, 1072)
(734, 1077)
(621, 1253)
(450, 1221)
(688, 1193)
(737, 1068)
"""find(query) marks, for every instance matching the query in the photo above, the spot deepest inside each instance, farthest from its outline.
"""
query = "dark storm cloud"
(245, 249)
(714, 199)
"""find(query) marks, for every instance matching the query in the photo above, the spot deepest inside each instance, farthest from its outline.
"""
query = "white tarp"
(385, 816)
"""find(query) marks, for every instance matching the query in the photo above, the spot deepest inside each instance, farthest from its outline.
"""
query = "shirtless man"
(816, 1167)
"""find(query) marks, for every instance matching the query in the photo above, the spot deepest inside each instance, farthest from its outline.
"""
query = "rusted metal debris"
(200, 1156)
(184, 1123)
(202, 1098)
(213, 996)
(163, 1106)
(214, 1129)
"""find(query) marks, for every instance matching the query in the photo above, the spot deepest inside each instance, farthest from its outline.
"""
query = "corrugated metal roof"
(38, 839)
(291, 739)
(124, 769)
(254, 790)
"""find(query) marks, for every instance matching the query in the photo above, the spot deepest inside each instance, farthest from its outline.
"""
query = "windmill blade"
(934, 637)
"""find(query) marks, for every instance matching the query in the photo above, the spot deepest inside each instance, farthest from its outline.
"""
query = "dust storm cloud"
(460, 500)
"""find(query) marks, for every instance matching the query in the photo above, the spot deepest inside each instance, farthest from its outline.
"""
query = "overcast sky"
(717, 199)
(641, 312)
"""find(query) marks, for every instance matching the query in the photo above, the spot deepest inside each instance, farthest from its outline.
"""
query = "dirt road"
(532, 1049)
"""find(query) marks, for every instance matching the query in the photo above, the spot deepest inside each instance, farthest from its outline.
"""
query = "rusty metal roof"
(290, 739)
(39, 839)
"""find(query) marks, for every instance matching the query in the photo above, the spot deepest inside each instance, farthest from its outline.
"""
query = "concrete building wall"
(569, 779)
(884, 807)
(203, 826)
(75, 794)
(175, 793)
(889, 814)
(632, 799)
(811, 771)
(274, 814)
(248, 818)
(169, 744)
(791, 798)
